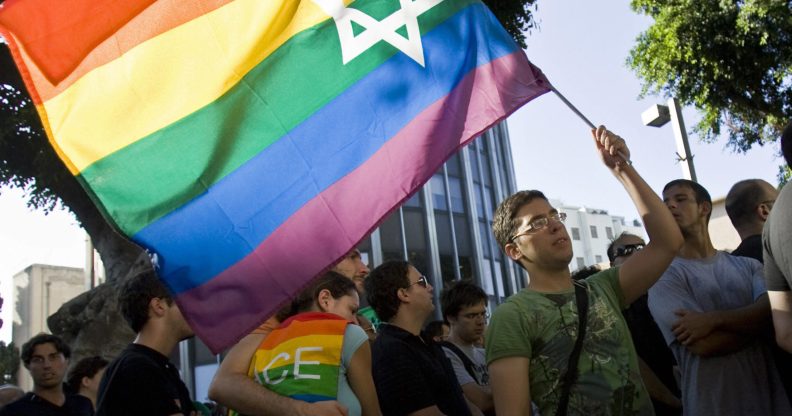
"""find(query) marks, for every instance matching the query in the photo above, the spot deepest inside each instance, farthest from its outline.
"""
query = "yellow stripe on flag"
(170, 76)
(331, 345)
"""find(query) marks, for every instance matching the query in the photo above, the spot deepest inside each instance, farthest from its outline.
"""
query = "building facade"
(591, 231)
(39, 291)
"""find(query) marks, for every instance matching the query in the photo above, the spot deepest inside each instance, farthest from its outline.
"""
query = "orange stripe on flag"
(158, 18)
(58, 34)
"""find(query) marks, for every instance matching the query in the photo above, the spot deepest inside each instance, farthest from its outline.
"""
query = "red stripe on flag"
(58, 34)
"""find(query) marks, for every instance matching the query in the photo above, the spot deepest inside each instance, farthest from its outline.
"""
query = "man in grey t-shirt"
(464, 307)
(713, 310)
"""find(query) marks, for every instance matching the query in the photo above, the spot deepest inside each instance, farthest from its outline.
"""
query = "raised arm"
(510, 386)
(233, 388)
(643, 268)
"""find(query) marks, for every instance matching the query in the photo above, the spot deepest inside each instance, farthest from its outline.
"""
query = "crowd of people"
(673, 327)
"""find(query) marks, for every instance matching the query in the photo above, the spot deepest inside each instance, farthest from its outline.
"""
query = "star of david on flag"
(251, 144)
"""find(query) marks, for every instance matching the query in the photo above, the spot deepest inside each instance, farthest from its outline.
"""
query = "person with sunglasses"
(532, 337)
(655, 360)
(412, 376)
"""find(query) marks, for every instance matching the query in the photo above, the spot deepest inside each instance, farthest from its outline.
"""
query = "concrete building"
(592, 230)
(39, 291)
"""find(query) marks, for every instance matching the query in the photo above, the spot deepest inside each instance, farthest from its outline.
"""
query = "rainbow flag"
(302, 358)
(250, 144)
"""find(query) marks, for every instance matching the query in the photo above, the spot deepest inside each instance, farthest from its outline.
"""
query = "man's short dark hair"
(585, 272)
(611, 251)
(786, 144)
(27, 348)
(742, 200)
(503, 225)
(382, 285)
(699, 192)
(431, 330)
(136, 295)
(87, 367)
(462, 294)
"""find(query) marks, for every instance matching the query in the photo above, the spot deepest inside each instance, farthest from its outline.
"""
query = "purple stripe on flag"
(221, 312)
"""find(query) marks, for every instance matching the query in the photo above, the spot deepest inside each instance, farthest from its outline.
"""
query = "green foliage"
(515, 16)
(27, 158)
(732, 60)
(9, 363)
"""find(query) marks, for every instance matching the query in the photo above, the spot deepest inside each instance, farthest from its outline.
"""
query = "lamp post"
(657, 116)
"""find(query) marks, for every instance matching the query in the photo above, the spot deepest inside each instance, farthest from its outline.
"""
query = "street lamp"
(657, 116)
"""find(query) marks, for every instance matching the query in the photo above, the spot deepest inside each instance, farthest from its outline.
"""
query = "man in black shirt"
(142, 381)
(411, 376)
(46, 357)
(748, 205)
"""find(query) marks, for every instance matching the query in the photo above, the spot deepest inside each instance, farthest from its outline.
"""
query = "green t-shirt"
(543, 327)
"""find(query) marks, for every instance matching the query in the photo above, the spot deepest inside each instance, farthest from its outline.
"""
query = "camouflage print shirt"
(543, 327)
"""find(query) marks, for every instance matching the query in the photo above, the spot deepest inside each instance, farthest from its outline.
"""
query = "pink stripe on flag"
(237, 300)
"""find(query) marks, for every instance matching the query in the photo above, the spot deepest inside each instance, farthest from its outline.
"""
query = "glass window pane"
(462, 231)
(485, 168)
(390, 238)
(593, 231)
(455, 190)
(438, 192)
(485, 247)
(474, 168)
(414, 201)
(479, 201)
(609, 233)
(446, 269)
(486, 279)
(575, 233)
(499, 278)
(443, 227)
(453, 165)
(580, 262)
(598, 258)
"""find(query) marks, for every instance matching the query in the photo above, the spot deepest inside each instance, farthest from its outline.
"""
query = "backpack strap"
(581, 298)
(466, 361)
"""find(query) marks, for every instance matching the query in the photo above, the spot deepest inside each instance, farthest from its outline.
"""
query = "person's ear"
(323, 299)
(157, 306)
(513, 251)
(764, 211)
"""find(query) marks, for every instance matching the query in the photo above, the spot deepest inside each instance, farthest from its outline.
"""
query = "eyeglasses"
(423, 281)
(540, 223)
(476, 315)
(628, 249)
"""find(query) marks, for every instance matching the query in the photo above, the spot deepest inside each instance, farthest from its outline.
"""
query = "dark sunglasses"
(628, 249)
(423, 281)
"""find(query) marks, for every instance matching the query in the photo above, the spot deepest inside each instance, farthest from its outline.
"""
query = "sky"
(581, 47)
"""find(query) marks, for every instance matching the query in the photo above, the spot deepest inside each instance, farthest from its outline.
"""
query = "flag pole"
(582, 117)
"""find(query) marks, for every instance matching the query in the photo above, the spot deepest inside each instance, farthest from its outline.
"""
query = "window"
(575, 233)
(598, 258)
(593, 231)
(609, 233)
(580, 262)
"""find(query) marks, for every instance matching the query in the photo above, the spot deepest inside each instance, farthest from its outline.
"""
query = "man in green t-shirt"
(532, 334)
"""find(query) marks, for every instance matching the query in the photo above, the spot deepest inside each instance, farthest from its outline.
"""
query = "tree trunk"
(92, 323)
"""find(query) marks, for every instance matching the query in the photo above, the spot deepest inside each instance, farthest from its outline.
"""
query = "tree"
(9, 363)
(27, 161)
(731, 60)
